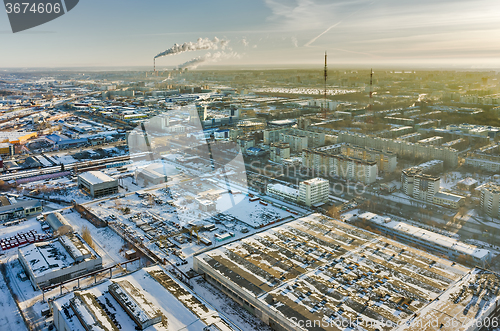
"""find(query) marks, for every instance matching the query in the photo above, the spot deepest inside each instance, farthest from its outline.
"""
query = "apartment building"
(279, 151)
(314, 191)
(490, 199)
(425, 187)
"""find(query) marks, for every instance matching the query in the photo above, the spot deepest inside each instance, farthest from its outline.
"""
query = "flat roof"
(283, 188)
(46, 257)
(426, 235)
(449, 196)
(154, 286)
(318, 268)
(96, 177)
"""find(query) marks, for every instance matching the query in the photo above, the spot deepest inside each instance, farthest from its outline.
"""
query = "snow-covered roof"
(317, 268)
(152, 292)
(96, 177)
(425, 235)
(283, 188)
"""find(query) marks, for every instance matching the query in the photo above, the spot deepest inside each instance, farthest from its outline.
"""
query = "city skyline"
(450, 34)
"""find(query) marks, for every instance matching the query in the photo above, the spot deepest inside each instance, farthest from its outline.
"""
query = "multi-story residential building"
(486, 162)
(355, 169)
(386, 161)
(296, 142)
(279, 152)
(314, 191)
(408, 179)
(245, 142)
(490, 199)
(328, 161)
(402, 148)
(425, 187)
(314, 139)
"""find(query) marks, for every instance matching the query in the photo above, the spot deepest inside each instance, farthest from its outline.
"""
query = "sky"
(365, 33)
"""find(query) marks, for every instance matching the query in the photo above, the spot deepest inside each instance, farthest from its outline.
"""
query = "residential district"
(250, 200)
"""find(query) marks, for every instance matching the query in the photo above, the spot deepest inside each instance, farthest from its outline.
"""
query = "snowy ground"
(10, 317)
(108, 244)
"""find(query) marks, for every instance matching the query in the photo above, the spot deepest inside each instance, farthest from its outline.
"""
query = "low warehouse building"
(58, 260)
(97, 184)
(147, 299)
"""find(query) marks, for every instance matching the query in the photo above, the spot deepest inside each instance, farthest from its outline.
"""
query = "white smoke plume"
(209, 57)
(200, 44)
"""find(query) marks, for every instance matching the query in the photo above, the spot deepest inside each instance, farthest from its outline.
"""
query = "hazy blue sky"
(359, 32)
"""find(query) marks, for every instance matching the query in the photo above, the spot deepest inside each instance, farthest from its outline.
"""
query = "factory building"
(58, 223)
(146, 299)
(52, 262)
(318, 269)
(431, 241)
(97, 184)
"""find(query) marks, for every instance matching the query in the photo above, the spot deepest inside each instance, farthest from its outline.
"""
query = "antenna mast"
(325, 74)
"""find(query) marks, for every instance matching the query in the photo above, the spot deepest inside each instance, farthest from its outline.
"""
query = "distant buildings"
(245, 142)
(490, 199)
(490, 163)
(97, 184)
(297, 139)
(402, 148)
(386, 161)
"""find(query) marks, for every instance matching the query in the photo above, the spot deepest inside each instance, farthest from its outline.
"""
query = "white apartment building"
(490, 199)
(425, 187)
(314, 191)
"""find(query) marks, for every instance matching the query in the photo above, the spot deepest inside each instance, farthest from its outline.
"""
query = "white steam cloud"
(209, 57)
(200, 44)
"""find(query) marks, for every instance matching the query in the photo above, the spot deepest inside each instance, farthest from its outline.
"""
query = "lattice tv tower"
(325, 74)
